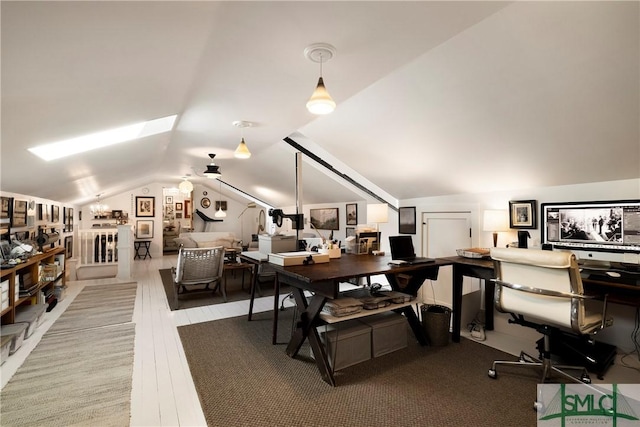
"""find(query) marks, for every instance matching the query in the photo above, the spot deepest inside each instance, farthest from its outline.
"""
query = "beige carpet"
(80, 372)
(243, 380)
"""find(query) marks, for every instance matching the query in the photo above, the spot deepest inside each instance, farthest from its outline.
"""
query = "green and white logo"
(616, 405)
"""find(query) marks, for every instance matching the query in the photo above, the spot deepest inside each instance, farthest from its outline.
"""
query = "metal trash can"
(435, 322)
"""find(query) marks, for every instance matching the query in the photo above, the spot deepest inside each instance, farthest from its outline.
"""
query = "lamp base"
(495, 240)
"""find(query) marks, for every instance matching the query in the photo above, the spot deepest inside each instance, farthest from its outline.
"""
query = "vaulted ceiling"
(434, 98)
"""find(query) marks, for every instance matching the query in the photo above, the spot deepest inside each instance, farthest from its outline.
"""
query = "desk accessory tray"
(474, 253)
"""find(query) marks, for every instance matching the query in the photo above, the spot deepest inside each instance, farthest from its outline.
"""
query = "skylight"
(80, 144)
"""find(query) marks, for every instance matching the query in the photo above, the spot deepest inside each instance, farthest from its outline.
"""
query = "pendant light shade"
(213, 170)
(220, 213)
(242, 152)
(185, 186)
(320, 101)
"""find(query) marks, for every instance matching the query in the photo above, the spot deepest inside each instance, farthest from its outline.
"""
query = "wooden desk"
(323, 280)
(482, 268)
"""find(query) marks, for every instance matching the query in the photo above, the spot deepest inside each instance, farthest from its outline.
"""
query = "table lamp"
(377, 213)
(496, 221)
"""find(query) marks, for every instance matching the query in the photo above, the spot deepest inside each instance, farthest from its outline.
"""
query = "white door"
(442, 234)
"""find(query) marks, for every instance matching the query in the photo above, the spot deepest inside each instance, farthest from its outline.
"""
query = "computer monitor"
(607, 231)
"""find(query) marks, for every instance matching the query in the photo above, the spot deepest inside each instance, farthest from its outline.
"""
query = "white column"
(125, 252)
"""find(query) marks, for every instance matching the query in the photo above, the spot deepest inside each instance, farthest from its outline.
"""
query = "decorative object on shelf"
(522, 214)
(495, 221)
(325, 218)
(352, 214)
(144, 229)
(407, 220)
(98, 209)
(168, 200)
(19, 217)
(185, 187)
(213, 170)
(205, 202)
(320, 101)
(242, 152)
(219, 212)
(145, 206)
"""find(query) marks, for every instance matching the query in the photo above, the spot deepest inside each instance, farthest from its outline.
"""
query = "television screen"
(605, 226)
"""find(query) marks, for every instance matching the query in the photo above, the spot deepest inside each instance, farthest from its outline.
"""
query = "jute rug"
(98, 305)
(78, 376)
(199, 299)
(243, 380)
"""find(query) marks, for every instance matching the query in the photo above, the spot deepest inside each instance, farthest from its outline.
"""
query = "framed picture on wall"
(522, 214)
(407, 220)
(168, 200)
(187, 210)
(68, 247)
(178, 206)
(325, 219)
(352, 214)
(144, 229)
(145, 206)
(55, 213)
(19, 217)
(351, 231)
(5, 203)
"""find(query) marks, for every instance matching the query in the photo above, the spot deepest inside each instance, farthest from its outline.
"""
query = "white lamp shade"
(377, 213)
(496, 220)
(185, 187)
(320, 101)
(220, 213)
(242, 152)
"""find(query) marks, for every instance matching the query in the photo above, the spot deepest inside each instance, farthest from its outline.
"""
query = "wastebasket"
(435, 322)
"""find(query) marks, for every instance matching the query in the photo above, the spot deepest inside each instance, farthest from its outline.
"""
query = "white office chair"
(546, 287)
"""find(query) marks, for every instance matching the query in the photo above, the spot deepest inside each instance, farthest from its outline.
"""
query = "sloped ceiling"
(434, 98)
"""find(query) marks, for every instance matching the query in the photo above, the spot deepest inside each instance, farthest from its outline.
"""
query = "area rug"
(243, 380)
(98, 305)
(199, 299)
(81, 374)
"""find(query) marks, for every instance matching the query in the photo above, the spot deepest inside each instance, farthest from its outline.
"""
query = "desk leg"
(457, 302)
(415, 324)
(305, 329)
(276, 300)
(489, 290)
(254, 279)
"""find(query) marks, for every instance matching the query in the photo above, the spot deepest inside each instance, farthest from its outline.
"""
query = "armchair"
(546, 286)
(198, 266)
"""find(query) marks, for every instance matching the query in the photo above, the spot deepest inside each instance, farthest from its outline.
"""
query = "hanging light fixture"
(213, 170)
(320, 101)
(98, 209)
(242, 152)
(185, 186)
(220, 213)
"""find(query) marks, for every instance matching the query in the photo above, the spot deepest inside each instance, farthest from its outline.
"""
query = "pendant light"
(320, 101)
(242, 152)
(213, 170)
(185, 186)
(220, 213)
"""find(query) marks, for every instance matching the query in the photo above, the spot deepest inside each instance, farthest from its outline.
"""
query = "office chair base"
(547, 368)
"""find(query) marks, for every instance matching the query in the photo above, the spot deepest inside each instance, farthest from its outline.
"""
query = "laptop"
(402, 251)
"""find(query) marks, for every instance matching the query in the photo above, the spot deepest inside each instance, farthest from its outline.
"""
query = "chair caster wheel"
(585, 379)
(492, 374)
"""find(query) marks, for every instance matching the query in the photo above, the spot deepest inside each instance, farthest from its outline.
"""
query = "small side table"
(142, 249)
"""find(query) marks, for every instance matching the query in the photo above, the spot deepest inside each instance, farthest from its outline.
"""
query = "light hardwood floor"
(163, 393)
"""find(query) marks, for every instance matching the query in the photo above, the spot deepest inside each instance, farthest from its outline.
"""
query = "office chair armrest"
(545, 292)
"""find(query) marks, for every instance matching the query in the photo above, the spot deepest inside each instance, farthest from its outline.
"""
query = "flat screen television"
(606, 231)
